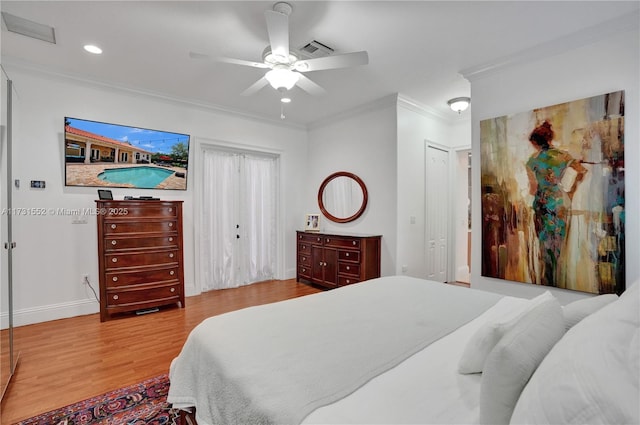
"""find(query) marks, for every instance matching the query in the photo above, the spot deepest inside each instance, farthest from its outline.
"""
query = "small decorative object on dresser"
(312, 223)
(139, 255)
(333, 260)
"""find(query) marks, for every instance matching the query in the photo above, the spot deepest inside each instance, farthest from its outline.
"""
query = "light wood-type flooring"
(68, 360)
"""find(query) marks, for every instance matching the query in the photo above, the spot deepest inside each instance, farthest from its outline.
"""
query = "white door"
(238, 219)
(437, 213)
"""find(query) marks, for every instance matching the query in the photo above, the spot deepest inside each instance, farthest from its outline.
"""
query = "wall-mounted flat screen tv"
(112, 155)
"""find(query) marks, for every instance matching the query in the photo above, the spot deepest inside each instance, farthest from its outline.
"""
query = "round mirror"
(342, 197)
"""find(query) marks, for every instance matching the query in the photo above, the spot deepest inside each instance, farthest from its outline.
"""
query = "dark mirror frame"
(365, 197)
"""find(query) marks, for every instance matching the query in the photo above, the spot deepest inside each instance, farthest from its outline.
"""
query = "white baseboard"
(29, 316)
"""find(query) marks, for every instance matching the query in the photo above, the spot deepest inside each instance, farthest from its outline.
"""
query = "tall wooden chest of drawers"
(333, 260)
(139, 255)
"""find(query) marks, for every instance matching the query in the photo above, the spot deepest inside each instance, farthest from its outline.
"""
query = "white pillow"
(514, 359)
(591, 376)
(482, 342)
(578, 310)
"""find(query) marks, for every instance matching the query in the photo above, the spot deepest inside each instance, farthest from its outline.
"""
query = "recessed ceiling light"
(93, 49)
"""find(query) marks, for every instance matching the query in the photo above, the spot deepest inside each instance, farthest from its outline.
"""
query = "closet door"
(238, 235)
(437, 213)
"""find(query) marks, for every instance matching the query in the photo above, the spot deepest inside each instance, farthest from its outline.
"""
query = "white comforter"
(279, 362)
(424, 389)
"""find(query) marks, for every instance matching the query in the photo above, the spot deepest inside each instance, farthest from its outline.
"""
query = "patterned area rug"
(140, 404)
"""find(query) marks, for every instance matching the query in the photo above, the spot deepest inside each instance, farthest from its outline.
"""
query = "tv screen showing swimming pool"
(112, 155)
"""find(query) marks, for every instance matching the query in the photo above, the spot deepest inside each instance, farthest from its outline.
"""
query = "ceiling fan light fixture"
(459, 104)
(285, 99)
(282, 78)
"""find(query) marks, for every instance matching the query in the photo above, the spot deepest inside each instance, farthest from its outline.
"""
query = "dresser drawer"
(304, 271)
(353, 256)
(304, 248)
(346, 280)
(304, 260)
(159, 226)
(341, 243)
(310, 238)
(119, 243)
(348, 268)
(119, 297)
(137, 210)
(127, 278)
(135, 259)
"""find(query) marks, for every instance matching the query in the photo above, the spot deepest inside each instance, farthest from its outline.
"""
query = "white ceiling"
(416, 48)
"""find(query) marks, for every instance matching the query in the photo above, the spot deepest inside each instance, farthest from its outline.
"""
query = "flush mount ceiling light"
(459, 104)
(91, 48)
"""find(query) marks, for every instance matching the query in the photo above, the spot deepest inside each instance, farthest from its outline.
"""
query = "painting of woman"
(553, 178)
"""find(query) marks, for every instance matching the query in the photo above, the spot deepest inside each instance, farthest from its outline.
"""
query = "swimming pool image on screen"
(102, 154)
(142, 177)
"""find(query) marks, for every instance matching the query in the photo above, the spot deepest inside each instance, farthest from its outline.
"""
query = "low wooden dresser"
(139, 255)
(332, 260)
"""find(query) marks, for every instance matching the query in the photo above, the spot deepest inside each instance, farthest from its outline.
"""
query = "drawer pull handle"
(327, 241)
(347, 254)
(348, 281)
(173, 289)
(170, 224)
(319, 239)
(172, 272)
(171, 255)
(348, 268)
(113, 243)
(115, 278)
(304, 258)
(114, 260)
(115, 297)
(113, 226)
(304, 270)
(170, 209)
(354, 243)
(170, 239)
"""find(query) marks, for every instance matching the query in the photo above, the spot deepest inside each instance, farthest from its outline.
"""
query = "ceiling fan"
(286, 67)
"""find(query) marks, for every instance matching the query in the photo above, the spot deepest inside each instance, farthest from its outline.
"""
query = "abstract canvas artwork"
(553, 195)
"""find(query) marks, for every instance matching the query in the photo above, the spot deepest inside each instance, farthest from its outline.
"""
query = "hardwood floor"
(68, 360)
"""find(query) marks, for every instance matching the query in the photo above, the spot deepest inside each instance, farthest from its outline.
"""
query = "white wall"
(608, 65)
(52, 252)
(362, 142)
(416, 127)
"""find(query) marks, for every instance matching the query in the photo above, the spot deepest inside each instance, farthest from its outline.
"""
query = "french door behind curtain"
(238, 216)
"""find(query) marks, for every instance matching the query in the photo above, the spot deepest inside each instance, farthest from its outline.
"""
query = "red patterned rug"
(140, 404)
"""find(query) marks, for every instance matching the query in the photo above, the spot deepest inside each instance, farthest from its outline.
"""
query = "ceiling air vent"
(315, 49)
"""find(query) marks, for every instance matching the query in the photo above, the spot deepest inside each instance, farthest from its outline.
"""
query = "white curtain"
(238, 216)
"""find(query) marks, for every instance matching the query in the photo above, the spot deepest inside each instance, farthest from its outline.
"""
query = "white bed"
(251, 366)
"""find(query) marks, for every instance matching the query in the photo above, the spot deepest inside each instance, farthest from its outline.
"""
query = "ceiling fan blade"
(309, 86)
(200, 56)
(278, 29)
(345, 60)
(253, 88)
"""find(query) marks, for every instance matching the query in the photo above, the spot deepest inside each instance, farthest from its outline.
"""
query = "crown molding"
(426, 111)
(21, 65)
(560, 45)
(381, 103)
